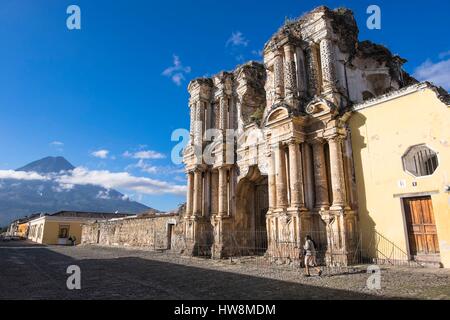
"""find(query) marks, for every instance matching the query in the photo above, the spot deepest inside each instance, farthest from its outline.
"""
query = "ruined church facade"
(288, 171)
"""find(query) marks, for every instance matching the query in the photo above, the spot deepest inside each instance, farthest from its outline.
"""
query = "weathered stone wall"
(153, 232)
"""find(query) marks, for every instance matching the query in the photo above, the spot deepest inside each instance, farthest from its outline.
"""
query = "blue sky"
(118, 85)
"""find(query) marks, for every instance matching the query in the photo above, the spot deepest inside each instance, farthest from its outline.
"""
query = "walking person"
(73, 240)
(310, 257)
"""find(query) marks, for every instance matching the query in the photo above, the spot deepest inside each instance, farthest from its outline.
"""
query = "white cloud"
(121, 180)
(180, 178)
(22, 175)
(127, 154)
(176, 72)
(160, 170)
(237, 39)
(109, 180)
(146, 167)
(147, 154)
(102, 154)
(57, 145)
(103, 194)
(178, 78)
(61, 187)
(437, 73)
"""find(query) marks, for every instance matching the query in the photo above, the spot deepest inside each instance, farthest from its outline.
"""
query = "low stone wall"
(159, 232)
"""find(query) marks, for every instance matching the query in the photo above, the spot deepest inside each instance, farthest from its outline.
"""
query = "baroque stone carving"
(297, 162)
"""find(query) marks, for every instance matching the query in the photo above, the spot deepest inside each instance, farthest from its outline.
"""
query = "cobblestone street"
(36, 272)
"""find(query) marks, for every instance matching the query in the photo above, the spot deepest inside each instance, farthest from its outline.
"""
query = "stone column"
(190, 193)
(198, 190)
(301, 74)
(309, 176)
(193, 114)
(231, 114)
(223, 113)
(223, 191)
(320, 175)
(296, 175)
(231, 201)
(312, 70)
(281, 181)
(272, 181)
(215, 192)
(278, 77)
(290, 74)
(198, 134)
(206, 194)
(328, 60)
(207, 115)
(337, 172)
(217, 112)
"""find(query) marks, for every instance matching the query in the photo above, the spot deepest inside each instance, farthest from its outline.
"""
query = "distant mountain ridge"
(48, 165)
(20, 198)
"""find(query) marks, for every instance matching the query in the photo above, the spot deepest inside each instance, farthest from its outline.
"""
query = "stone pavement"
(37, 272)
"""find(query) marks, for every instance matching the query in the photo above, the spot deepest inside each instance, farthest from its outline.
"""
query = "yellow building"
(22, 229)
(401, 149)
(56, 229)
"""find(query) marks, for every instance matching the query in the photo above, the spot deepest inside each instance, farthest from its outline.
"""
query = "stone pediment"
(280, 111)
(278, 114)
(319, 107)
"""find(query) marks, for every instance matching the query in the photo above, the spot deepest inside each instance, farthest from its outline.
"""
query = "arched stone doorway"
(252, 204)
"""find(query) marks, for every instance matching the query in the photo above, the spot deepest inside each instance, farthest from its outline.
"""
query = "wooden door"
(422, 233)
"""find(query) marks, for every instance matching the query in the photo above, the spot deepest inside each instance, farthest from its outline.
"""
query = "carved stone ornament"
(314, 106)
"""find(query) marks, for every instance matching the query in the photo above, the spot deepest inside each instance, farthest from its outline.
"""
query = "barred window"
(63, 232)
(420, 161)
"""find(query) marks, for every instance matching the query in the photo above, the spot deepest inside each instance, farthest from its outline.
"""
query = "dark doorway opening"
(170, 228)
(252, 206)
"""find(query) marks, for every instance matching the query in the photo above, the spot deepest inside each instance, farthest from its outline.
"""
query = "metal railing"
(261, 251)
(386, 252)
(258, 250)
